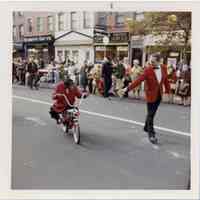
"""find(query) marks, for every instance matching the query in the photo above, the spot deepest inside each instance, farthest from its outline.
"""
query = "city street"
(114, 152)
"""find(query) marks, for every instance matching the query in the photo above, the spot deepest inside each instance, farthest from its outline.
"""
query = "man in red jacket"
(154, 77)
(67, 88)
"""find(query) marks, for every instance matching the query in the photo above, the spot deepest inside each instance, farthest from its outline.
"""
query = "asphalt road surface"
(114, 152)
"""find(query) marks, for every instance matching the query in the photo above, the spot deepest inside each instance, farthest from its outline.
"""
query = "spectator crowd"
(104, 79)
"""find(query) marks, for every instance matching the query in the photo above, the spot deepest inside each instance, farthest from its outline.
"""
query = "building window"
(67, 54)
(102, 20)
(87, 20)
(120, 19)
(21, 32)
(14, 33)
(60, 55)
(40, 24)
(75, 56)
(60, 22)
(74, 20)
(139, 16)
(50, 23)
(20, 14)
(30, 25)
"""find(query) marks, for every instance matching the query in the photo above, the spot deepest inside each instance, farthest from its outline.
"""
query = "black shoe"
(145, 129)
(58, 121)
(153, 140)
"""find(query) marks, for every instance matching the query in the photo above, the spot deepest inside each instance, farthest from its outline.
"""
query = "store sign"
(137, 43)
(174, 54)
(98, 38)
(172, 61)
(18, 46)
(38, 39)
(119, 37)
(100, 48)
(113, 38)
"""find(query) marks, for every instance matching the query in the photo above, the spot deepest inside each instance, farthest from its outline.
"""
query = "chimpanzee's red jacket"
(60, 104)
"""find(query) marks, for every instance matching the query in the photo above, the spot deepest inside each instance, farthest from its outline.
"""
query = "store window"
(30, 25)
(122, 52)
(59, 53)
(21, 32)
(100, 52)
(120, 19)
(14, 33)
(75, 56)
(87, 19)
(40, 25)
(20, 14)
(74, 20)
(50, 23)
(60, 22)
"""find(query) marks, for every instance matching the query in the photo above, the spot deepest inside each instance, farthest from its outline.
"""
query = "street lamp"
(129, 21)
(172, 19)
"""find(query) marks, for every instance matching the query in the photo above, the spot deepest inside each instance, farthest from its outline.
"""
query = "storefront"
(18, 50)
(137, 50)
(143, 47)
(75, 46)
(39, 47)
(117, 46)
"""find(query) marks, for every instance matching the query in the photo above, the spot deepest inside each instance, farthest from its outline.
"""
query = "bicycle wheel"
(76, 133)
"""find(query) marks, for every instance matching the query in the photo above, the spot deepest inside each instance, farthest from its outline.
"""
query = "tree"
(171, 29)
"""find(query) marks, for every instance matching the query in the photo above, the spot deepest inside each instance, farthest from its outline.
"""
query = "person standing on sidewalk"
(83, 76)
(107, 76)
(120, 73)
(155, 77)
(33, 74)
(135, 73)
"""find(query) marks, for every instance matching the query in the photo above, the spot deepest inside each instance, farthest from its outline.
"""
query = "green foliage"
(161, 23)
(171, 28)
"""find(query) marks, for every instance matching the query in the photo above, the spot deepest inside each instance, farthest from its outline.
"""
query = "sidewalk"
(165, 99)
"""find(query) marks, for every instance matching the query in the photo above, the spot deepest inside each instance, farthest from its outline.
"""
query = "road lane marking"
(36, 120)
(108, 117)
(175, 154)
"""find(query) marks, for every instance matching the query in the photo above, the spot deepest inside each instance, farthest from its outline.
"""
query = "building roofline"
(73, 32)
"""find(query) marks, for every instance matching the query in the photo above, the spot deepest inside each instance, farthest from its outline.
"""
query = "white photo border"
(6, 9)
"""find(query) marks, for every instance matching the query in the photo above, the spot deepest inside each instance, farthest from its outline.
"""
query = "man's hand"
(85, 95)
(121, 92)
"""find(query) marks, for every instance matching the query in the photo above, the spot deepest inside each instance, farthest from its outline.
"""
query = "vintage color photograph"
(101, 100)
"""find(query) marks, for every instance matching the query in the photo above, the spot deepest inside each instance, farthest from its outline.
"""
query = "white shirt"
(158, 74)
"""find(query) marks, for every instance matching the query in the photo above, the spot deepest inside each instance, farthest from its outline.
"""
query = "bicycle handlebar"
(66, 99)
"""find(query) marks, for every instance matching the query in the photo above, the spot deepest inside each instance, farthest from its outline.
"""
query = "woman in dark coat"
(83, 76)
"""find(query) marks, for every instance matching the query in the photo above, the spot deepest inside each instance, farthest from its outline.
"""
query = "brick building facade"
(33, 34)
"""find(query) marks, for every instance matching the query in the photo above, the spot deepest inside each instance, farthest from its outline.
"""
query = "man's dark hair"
(68, 82)
(157, 56)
